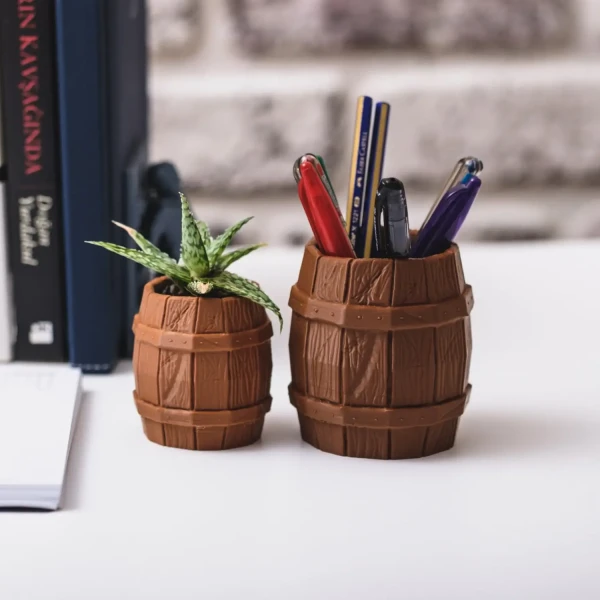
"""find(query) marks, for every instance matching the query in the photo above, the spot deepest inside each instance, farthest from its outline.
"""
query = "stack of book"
(74, 139)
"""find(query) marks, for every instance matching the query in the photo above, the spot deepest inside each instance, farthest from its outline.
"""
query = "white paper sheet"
(38, 414)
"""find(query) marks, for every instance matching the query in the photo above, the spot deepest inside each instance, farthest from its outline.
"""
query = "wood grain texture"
(323, 360)
(370, 282)
(417, 365)
(198, 381)
(242, 435)
(440, 437)
(154, 431)
(330, 280)
(180, 437)
(366, 443)
(244, 377)
(241, 314)
(210, 438)
(450, 360)
(414, 368)
(297, 350)
(148, 360)
(410, 283)
(364, 368)
(210, 316)
(327, 437)
(407, 443)
(308, 269)
(176, 368)
(443, 279)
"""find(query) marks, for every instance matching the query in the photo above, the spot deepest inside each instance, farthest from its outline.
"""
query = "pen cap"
(392, 235)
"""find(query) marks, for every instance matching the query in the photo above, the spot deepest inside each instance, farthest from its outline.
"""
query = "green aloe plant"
(202, 266)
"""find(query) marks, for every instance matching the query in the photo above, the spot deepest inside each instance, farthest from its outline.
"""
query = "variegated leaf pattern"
(234, 284)
(204, 234)
(228, 259)
(193, 251)
(222, 241)
(153, 262)
(145, 245)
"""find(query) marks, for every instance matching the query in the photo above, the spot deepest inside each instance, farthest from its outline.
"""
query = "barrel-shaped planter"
(202, 369)
(380, 352)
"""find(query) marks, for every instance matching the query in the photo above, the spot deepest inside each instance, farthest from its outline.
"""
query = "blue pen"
(376, 158)
(358, 166)
(464, 168)
(446, 220)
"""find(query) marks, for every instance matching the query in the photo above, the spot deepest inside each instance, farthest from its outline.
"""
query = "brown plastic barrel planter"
(380, 352)
(202, 369)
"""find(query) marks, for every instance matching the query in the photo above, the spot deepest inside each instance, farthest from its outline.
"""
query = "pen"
(392, 234)
(330, 234)
(446, 220)
(319, 165)
(464, 168)
(329, 187)
(376, 158)
(358, 166)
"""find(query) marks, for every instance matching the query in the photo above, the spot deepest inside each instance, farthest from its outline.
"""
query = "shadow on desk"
(492, 433)
(77, 456)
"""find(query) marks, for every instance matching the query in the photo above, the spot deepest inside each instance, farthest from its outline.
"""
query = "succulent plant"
(202, 266)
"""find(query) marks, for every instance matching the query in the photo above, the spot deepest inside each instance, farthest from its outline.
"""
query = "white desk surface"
(511, 513)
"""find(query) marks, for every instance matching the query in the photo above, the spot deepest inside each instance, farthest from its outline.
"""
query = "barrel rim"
(453, 250)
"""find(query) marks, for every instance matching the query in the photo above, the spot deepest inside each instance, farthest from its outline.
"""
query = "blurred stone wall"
(241, 88)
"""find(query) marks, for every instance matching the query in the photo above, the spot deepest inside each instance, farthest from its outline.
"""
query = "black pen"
(392, 234)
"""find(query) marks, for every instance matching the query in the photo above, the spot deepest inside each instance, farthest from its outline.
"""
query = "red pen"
(330, 234)
(308, 211)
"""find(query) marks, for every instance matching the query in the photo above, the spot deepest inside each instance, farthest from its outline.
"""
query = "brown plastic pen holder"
(202, 369)
(380, 352)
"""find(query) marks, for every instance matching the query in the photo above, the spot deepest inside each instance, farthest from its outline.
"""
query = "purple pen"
(474, 184)
(447, 219)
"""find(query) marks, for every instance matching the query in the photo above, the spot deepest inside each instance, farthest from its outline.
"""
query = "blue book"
(94, 285)
(125, 59)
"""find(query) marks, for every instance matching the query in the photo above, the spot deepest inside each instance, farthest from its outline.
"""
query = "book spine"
(6, 329)
(33, 204)
(93, 285)
(126, 69)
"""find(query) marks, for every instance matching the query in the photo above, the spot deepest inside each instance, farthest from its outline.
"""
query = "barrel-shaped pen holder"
(380, 351)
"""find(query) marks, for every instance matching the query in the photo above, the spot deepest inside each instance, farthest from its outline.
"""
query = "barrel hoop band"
(201, 342)
(376, 417)
(382, 318)
(202, 418)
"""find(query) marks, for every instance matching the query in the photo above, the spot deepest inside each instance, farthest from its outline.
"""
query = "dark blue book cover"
(94, 284)
(125, 58)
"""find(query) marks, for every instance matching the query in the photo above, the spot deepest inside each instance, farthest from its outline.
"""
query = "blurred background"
(241, 88)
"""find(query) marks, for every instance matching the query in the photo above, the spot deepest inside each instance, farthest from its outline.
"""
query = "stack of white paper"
(38, 413)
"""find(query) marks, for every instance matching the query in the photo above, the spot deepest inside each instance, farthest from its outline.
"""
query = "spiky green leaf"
(234, 284)
(145, 245)
(222, 241)
(150, 261)
(193, 251)
(204, 234)
(228, 259)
